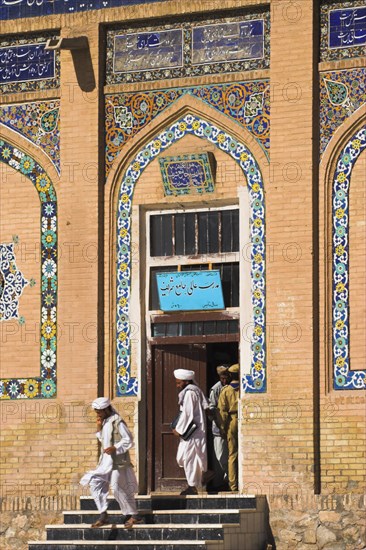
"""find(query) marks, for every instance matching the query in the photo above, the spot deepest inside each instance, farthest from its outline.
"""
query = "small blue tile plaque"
(190, 290)
(188, 174)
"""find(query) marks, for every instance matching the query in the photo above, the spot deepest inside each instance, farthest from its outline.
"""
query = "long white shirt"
(105, 464)
(192, 454)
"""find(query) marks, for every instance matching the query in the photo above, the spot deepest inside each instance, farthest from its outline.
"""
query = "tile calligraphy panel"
(188, 49)
(342, 29)
(25, 65)
(13, 9)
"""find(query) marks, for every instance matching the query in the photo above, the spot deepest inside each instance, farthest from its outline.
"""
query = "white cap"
(101, 403)
(183, 374)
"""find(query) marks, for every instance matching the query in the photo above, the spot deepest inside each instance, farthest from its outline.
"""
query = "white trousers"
(221, 455)
(192, 456)
(124, 486)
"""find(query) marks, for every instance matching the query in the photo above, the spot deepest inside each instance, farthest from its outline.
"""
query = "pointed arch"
(336, 169)
(168, 130)
(17, 153)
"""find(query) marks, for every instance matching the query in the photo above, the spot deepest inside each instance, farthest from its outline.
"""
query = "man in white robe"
(192, 452)
(114, 467)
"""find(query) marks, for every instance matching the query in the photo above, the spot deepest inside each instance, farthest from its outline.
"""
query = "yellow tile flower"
(339, 213)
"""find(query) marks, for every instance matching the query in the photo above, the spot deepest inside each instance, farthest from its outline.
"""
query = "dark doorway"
(163, 471)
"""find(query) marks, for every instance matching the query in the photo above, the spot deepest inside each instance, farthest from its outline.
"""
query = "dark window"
(195, 328)
(193, 233)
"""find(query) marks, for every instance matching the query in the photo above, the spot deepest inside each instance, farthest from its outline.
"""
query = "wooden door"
(166, 475)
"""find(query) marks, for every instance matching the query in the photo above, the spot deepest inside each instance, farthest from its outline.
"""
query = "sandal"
(133, 520)
(102, 520)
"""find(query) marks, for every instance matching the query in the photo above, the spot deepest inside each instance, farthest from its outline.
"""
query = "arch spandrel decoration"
(43, 386)
(255, 382)
(343, 377)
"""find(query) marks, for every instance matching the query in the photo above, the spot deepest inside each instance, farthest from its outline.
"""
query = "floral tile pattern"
(39, 122)
(26, 66)
(342, 29)
(255, 381)
(341, 94)
(344, 377)
(245, 102)
(240, 42)
(43, 386)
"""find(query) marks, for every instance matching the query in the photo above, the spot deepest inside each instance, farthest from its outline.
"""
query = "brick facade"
(300, 437)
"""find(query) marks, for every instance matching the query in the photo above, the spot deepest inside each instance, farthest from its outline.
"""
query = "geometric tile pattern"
(188, 174)
(247, 103)
(43, 386)
(39, 122)
(341, 94)
(26, 66)
(342, 29)
(240, 42)
(344, 378)
(13, 9)
(190, 124)
(12, 283)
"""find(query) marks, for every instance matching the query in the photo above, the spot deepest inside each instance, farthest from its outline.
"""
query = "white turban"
(101, 403)
(183, 374)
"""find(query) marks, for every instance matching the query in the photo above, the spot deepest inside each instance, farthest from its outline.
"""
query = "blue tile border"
(255, 382)
(343, 377)
(43, 386)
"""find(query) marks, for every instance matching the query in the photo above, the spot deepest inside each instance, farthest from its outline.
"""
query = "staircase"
(205, 522)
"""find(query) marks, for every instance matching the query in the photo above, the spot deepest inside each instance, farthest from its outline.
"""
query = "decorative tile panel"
(39, 122)
(188, 174)
(245, 102)
(191, 125)
(341, 94)
(26, 66)
(343, 29)
(12, 283)
(344, 377)
(187, 49)
(43, 386)
(12, 9)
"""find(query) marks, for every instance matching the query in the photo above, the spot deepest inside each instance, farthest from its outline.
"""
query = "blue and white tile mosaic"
(188, 174)
(39, 122)
(190, 124)
(43, 386)
(344, 377)
(341, 94)
(343, 29)
(176, 50)
(12, 283)
(248, 103)
(26, 66)
(12, 9)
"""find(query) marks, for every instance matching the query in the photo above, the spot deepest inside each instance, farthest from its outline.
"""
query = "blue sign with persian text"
(13, 9)
(237, 41)
(347, 27)
(150, 50)
(26, 62)
(190, 290)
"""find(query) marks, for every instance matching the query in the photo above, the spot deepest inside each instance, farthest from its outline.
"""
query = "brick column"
(278, 439)
(79, 214)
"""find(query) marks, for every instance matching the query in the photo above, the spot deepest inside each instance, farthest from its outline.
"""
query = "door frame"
(153, 343)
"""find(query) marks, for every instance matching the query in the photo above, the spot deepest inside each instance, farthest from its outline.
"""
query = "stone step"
(74, 517)
(120, 545)
(155, 533)
(177, 502)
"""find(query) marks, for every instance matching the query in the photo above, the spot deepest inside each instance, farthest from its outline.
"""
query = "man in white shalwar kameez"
(192, 452)
(114, 467)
